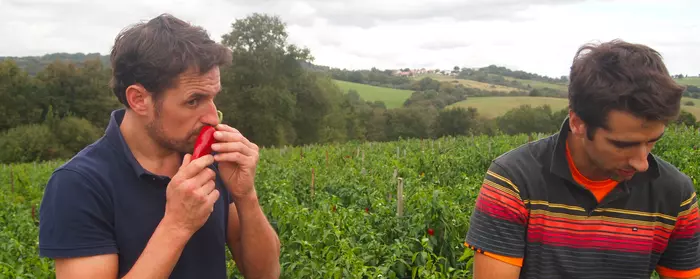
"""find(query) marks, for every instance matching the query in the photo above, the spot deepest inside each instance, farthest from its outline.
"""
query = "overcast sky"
(538, 36)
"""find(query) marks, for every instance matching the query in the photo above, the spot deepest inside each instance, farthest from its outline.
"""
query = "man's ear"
(139, 99)
(577, 126)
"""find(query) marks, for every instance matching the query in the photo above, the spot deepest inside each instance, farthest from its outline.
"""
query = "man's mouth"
(625, 173)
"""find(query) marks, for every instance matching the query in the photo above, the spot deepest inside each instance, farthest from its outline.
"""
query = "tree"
(686, 118)
(19, 97)
(526, 119)
(268, 95)
(455, 122)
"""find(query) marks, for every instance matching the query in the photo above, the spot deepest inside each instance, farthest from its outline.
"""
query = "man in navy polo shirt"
(134, 204)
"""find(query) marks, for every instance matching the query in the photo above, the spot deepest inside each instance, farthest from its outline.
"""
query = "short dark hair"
(156, 52)
(623, 76)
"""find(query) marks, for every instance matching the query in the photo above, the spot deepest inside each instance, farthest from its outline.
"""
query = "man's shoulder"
(672, 180)
(531, 155)
(89, 164)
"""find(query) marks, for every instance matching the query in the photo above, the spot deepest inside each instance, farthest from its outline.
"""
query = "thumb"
(186, 160)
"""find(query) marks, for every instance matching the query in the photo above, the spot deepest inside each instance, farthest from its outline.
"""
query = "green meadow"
(392, 98)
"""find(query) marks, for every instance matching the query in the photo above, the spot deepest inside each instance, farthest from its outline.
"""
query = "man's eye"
(192, 102)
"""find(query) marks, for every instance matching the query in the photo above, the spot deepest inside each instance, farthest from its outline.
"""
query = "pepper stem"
(221, 115)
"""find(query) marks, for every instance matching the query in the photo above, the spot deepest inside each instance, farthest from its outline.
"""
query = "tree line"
(269, 93)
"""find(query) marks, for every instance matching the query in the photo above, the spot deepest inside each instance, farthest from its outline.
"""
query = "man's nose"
(639, 160)
(211, 116)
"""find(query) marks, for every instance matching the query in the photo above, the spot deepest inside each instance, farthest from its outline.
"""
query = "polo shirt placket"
(530, 212)
(102, 201)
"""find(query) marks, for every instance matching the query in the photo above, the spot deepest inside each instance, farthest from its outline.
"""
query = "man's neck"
(147, 152)
(582, 162)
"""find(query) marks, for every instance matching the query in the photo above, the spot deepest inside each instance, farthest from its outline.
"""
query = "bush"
(28, 143)
(56, 139)
(75, 133)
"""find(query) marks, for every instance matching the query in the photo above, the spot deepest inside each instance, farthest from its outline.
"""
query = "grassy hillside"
(539, 84)
(392, 98)
(470, 83)
(689, 81)
(491, 107)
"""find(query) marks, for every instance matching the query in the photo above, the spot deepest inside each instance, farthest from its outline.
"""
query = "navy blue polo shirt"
(102, 201)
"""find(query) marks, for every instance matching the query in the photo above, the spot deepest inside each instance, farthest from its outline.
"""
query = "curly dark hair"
(623, 76)
(156, 52)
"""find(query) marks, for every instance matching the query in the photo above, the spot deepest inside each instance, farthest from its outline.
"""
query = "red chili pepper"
(205, 139)
(431, 232)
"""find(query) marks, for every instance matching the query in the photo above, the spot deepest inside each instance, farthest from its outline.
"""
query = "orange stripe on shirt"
(509, 260)
(667, 272)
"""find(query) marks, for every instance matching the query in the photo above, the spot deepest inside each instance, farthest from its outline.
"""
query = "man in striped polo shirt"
(591, 201)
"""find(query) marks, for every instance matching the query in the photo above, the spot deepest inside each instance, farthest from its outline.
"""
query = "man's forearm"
(259, 242)
(161, 253)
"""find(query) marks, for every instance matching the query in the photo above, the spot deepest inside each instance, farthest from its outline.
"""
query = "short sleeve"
(681, 259)
(498, 222)
(75, 217)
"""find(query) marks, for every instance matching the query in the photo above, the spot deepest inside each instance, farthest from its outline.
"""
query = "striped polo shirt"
(535, 212)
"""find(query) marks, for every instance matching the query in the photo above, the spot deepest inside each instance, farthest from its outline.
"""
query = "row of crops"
(335, 206)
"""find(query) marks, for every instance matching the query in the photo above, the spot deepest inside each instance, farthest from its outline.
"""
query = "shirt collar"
(114, 135)
(559, 165)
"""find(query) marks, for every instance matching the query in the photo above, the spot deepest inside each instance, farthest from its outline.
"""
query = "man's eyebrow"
(197, 95)
(659, 137)
(622, 142)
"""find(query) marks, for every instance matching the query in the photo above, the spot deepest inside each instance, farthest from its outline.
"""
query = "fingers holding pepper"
(232, 146)
(228, 133)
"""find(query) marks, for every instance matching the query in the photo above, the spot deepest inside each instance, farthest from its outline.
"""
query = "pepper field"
(335, 207)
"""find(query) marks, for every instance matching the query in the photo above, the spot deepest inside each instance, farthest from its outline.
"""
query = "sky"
(539, 36)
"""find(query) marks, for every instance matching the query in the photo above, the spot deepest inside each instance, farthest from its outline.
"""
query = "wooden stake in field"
(399, 198)
(313, 176)
(12, 179)
(326, 157)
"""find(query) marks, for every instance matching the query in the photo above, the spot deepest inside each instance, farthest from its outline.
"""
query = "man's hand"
(191, 195)
(238, 159)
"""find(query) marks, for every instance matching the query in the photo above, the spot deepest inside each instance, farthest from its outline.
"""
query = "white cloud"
(537, 36)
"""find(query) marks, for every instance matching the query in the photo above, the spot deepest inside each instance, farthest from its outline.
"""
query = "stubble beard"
(156, 132)
(599, 166)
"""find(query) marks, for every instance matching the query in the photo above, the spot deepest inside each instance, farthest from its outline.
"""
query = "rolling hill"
(470, 83)
(491, 107)
(392, 98)
(539, 84)
(689, 81)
